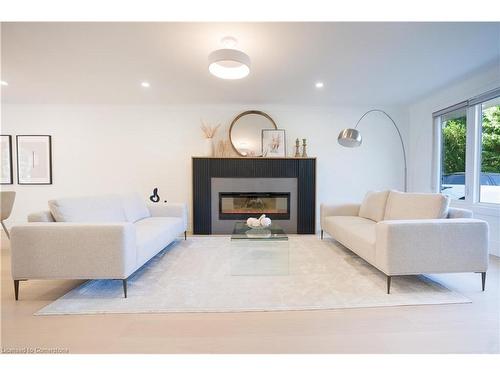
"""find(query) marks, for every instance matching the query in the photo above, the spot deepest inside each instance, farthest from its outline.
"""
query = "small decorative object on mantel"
(209, 133)
(262, 221)
(297, 148)
(304, 152)
(223, 148)
(155, 198)
(273, 143)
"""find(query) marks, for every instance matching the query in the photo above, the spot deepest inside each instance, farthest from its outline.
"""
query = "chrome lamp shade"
(350, 138)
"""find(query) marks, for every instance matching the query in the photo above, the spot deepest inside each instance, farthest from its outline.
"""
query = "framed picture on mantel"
(273, 143)
(34, 159)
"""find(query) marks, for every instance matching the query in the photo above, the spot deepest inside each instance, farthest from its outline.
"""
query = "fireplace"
(241, 205)
(288, 179)
(237, 199)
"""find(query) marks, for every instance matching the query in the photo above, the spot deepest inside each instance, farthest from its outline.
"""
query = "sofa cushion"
(153, 234)
(134, 206)
(373, 205)
(354, 232)
(413, 206)
(99, 209)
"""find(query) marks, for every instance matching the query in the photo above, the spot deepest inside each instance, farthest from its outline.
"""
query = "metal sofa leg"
(321, 233)
(185, 235)
(16, 289)
(483, 279)
(124, 281)
(389, 284)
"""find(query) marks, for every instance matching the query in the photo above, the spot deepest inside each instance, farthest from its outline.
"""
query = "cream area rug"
(196, 276)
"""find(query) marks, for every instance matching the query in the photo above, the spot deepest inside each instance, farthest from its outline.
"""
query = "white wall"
(101, 149)
(421, 140)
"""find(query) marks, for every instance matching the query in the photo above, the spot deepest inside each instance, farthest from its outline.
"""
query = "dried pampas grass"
(208, 130)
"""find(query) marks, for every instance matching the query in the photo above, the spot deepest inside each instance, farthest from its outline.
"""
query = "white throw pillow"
(373, 205)
(413, 206)
(99, 209)
(135, 208)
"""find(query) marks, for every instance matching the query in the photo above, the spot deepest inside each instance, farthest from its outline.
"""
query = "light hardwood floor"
(462, 328)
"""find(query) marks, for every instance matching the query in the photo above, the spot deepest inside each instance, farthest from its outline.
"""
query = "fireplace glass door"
(241, 206)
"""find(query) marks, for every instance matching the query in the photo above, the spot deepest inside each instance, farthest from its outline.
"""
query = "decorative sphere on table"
(265, 222)
(262, 221)
(253, 222)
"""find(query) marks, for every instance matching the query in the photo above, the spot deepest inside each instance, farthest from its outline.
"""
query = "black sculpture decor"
(155, 197)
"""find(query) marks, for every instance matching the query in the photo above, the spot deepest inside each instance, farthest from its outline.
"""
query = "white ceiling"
(359, 63)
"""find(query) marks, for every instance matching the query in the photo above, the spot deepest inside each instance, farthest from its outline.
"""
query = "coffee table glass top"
(242, 231)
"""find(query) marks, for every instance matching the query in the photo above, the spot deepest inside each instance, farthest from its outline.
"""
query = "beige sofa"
(410, 234)
(104, 237)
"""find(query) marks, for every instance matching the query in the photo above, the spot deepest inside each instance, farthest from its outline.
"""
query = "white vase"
(209, 147)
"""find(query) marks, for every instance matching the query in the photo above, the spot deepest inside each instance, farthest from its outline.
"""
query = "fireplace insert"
(241, 206)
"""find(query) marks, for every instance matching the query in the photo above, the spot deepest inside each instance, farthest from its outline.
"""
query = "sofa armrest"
(170, 210)
(73, 250)
(405, 247)
(348, 209)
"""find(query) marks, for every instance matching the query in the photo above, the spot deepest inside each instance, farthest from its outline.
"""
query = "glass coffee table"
(259, 251)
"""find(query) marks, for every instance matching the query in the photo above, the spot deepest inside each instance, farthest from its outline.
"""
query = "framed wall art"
(273, 143)
(6, 152)
(34, 159)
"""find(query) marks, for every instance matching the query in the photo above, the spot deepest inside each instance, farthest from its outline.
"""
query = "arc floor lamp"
(351, 137)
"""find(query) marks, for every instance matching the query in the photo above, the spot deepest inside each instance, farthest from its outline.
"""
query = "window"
(468, 149)
(490, 152)
(453, 147)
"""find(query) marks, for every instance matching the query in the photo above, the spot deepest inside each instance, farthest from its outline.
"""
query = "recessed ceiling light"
(145, 84)
(319, 85)
(4, 83)
(229, 63)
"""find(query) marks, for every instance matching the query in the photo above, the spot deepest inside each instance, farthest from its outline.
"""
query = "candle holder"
(304, 152)
(297, 146)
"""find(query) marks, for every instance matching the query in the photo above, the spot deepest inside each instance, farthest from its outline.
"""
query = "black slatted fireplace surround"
(239, 205)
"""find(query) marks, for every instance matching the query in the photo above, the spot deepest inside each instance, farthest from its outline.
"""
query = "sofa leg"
(125, 287)
(185, 235)
(389, 284)
(321, 233)
(483, 279)
(16, 289)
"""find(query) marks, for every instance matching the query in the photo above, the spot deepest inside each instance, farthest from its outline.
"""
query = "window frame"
(473, 148)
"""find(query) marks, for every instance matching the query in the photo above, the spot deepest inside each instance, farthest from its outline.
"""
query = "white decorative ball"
(265, 222)
(253, 222)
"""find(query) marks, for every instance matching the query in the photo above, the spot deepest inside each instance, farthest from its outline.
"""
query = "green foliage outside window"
(454, 138)
(454, 135)
(490, 156)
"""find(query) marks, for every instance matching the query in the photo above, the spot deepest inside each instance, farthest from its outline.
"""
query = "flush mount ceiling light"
(145, 84)
(229, 63)
(319, 85)
(4, 83)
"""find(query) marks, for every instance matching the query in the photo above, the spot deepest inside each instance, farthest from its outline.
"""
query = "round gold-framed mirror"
(245, 132)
